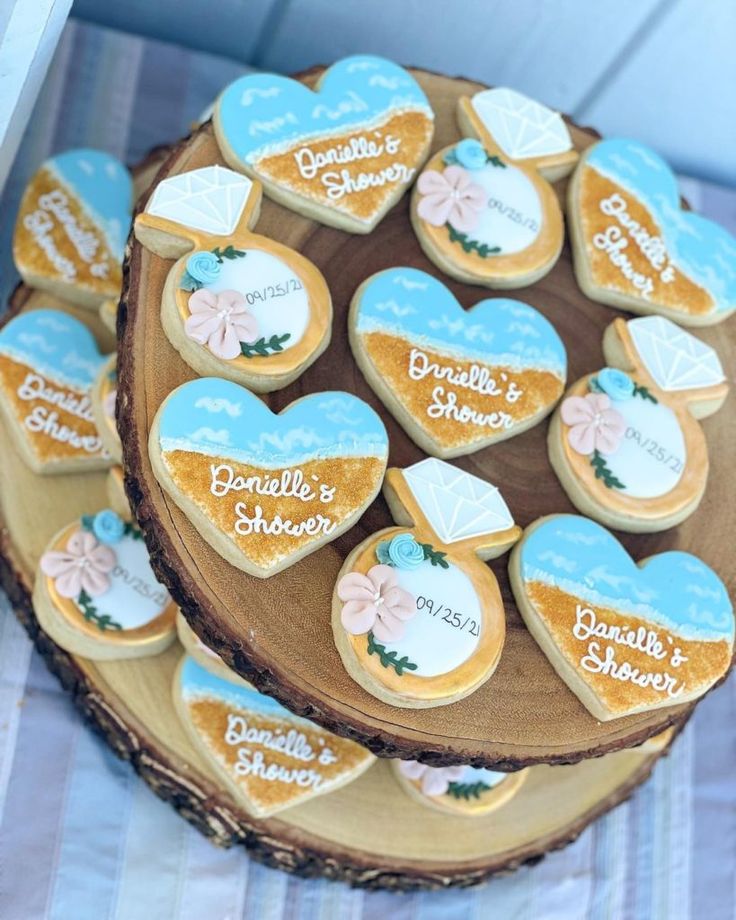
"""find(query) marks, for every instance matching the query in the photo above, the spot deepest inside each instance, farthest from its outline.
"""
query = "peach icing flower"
(450, 197)
(83, 566)
(375, 602)
(434, 780)
(221, 322)
(594, 424)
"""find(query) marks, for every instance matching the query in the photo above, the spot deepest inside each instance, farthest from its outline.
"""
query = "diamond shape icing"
(210, 199)
(675, 359)
(522, 127)
(457, 505)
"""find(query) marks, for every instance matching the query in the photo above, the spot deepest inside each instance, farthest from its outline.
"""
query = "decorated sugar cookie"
(635, 248)
(268, 758)
(96, 594)
(108, 313)
(265, 490)
(48, 364)
(417, 617)
(625, 637)
(625, 441)
(203, 654)
(343, 153)
(483, 209)
(461, 790)
(104, 395)
(235, 304)
(456, 380)
(116, 497)
(72, 225)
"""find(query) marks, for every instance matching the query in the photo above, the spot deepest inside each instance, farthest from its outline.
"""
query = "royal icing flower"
(375, 602)
(204, 267)
(221, 322)
(108, 404)
(613, 383)
(470, 154)
(402, 551)
(108, 526)
(83, 566)
(594, 424)
(434, 780)
(450, 197)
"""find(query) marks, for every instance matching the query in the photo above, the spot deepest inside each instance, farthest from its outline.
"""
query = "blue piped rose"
(108, 527)
(470, 154)
(404, 552)
(614, 383)
(204, 267)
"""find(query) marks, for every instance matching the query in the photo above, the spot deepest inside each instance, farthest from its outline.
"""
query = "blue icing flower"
(613, 383)
(204, 267)
(470, 154)
(108, 526)
(403, 552)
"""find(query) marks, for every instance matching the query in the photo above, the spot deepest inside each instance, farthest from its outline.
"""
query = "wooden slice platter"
(276, 632)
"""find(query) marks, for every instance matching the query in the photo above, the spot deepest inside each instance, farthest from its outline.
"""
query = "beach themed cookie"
(72, 226)
(417, 617)
(483, 209)
(342, 153)
(262, 489)
(95, 592)
(460, 790)
(625, 442)
(456, 380)
(625, 637)
(634, 246)
(48, 364)
(104, 394)
(235, 304)
(268, 758)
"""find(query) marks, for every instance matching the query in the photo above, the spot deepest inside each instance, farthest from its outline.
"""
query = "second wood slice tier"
(277, 632)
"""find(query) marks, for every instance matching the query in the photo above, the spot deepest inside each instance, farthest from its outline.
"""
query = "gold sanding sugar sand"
(390, 355)
(680, 294)
(706, 660)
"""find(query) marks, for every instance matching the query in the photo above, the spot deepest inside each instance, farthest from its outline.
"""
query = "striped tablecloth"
(81, 838)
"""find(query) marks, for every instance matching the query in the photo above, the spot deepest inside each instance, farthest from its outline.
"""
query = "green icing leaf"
(467, 790)
(389, 659)
(382, 553)
(597, 461)
(644, 393)
(188, 283)
(102, 621)
(435, 557)
(264, 348)
(229, 252)
(468, 245)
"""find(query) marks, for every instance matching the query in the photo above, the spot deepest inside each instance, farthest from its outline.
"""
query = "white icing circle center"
(512, 219)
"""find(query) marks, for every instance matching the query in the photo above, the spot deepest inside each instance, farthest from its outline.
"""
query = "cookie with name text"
(235, 304)
(267, 757)
(48, 364)
(625, 442)
(625, 637)
(72, 226)
(456, 380)
(417, 617)
(104, 396)
(96, 595)
(342, 153)
(483, 209)
(635, 247)
(265, 490)
(460, 790)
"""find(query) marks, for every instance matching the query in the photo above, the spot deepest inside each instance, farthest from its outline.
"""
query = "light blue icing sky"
(198, 681)
(105, 187)
(220, 418)
(55, 344)
(674, 589)
(412, 303)
(705, 252)
(266, 110)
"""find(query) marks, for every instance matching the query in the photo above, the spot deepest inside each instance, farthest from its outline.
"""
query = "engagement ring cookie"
(634, 246)
(456, 380)
(268, 758)
(625, 442)
(342, 153)
(461, 790)
(96, 595)
(264, 490)
(48, 364)
(72, 226)
(104, 395)
(483, 210)
(624, 637)
(417, 617)
(235, 304)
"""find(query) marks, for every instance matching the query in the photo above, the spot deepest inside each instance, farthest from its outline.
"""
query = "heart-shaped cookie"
(624, 637)
(48, 364)
(269, 758)
(343, 153)
(263, 489)
(72, 225)
(635, 247)
(457, 380)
